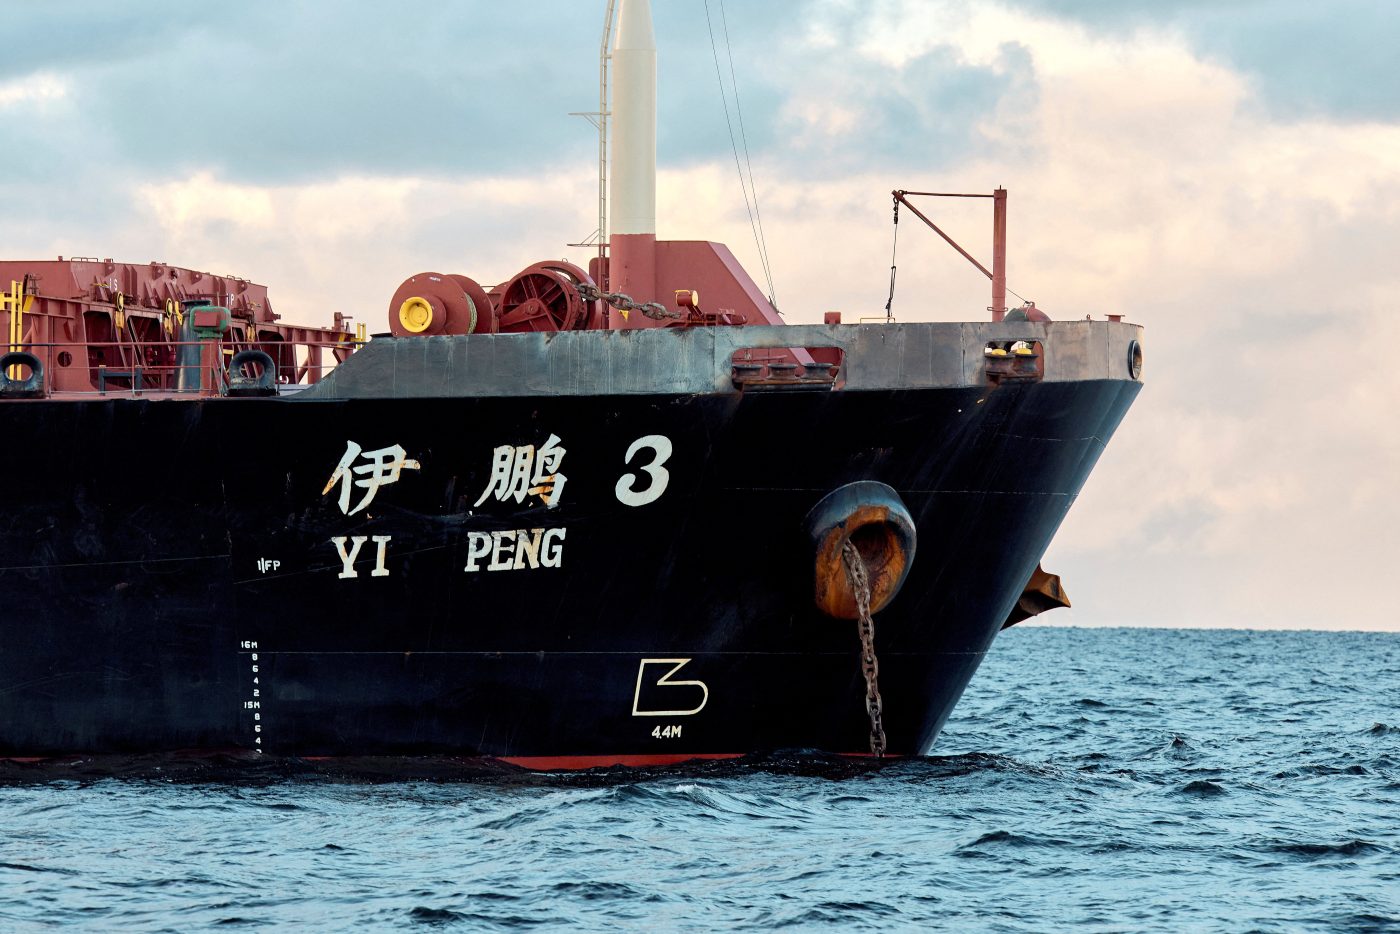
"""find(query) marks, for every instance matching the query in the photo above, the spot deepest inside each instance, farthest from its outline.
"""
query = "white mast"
(633, 112)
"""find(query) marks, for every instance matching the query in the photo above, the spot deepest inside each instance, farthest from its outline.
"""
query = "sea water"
(1114, 780)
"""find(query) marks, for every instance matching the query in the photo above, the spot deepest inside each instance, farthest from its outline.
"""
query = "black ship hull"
(339, 576)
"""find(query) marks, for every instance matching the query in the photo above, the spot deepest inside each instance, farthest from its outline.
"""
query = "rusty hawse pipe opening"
(875, 520)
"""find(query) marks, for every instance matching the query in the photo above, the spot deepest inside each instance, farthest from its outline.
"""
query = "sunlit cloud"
(39, 88)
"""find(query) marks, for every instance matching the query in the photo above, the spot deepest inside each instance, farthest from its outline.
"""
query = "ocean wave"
(1317, 850)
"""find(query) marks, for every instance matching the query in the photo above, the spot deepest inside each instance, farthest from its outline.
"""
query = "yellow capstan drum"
(871, 516)
(433, 303)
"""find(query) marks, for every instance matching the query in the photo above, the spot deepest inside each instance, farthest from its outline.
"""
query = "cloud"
(270, 92)
(1304, 59)
(37, 89)
(264, 91)
(345, 244)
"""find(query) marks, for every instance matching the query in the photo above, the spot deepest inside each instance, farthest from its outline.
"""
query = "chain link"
(622, 302)
(869, 663)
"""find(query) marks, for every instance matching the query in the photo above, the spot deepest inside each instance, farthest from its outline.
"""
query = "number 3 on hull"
(657, 475)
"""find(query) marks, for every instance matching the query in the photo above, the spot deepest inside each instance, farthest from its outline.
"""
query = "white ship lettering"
(518, 471)
(515, 549)
(384, 467)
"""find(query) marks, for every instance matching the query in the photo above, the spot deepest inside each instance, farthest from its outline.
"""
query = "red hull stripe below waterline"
(561, 763)
(534, 763)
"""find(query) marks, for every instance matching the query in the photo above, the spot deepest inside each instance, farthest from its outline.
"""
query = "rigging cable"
(749, 207)
(744, 138)
(894, 249)
(1018, 295)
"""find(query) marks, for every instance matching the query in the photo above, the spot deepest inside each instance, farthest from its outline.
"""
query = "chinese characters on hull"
(516, 472)
(522, 470)
(384, 467)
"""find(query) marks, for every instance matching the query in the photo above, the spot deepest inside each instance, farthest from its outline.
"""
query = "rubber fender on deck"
(30, 388)
(264, 383)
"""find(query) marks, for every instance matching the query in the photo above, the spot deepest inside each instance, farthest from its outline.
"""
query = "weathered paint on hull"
(143, 611)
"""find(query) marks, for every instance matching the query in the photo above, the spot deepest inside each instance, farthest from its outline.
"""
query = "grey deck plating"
(697, 360)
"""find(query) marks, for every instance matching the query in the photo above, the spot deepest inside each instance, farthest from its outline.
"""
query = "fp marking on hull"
(665, 682)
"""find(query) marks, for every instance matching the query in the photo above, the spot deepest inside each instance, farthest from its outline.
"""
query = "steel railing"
(155, 368)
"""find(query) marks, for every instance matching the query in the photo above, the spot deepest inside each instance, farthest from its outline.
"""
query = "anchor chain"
(869, 663)
(654, 310)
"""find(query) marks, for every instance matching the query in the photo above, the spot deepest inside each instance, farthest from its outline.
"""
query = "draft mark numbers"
(253, 702)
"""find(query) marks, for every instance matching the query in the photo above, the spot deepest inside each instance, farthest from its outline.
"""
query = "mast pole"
(632, 192)
(998, 254)
(998, 271)
(604, 56)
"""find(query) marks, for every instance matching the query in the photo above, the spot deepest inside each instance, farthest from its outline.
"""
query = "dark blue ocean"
(1114, 780)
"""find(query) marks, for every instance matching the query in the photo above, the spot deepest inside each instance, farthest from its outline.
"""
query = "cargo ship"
(621, 515)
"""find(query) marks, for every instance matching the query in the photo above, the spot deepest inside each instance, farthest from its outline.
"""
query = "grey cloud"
(283, 92)
(917, 114)
(927, 112)
(268, 92)
(1305, 58)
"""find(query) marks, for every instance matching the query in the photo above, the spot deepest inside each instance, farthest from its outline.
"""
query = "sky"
(1224, 172)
